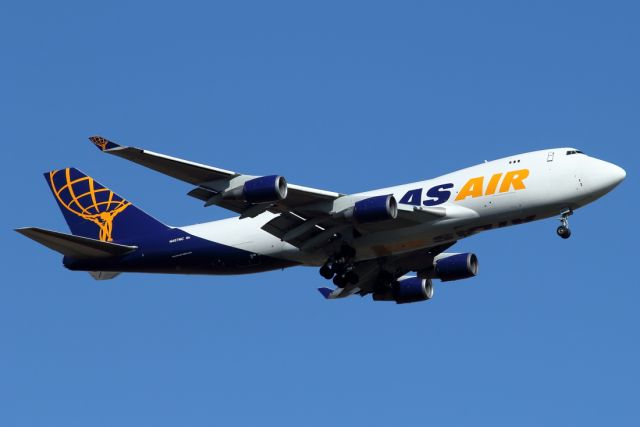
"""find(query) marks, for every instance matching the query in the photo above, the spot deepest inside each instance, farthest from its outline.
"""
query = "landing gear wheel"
(339, 267)
(326, 272)
(340, 281)
(564, 232)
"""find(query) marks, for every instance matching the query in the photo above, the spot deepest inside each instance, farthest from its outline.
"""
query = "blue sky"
(338, 95)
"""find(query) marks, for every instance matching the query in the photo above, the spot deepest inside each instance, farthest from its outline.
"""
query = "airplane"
(366, 243)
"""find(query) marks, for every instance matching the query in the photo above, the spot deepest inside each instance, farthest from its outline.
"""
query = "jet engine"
(372, 209)
(269, 188)
(264, 189)
(448, 267)
(410, 289)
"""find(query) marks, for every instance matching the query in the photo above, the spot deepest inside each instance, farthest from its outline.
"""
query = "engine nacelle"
(265, 189)
(456, 266)
(411, 289)
(372, 209)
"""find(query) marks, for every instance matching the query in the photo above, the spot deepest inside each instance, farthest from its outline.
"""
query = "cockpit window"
(574, 152)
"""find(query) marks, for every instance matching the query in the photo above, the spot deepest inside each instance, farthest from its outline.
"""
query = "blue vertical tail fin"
(92, 210)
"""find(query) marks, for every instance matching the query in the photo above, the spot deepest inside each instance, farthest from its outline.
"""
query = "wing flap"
(75, 246)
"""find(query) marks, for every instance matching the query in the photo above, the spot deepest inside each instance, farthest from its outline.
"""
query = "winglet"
(103, 143)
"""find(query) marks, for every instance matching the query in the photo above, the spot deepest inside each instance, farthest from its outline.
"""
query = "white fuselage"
(539, 185)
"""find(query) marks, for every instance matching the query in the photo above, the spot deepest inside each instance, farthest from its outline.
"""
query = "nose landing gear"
(563, 230)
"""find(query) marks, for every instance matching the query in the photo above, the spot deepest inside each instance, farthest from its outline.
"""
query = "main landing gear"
(563, 230)
(340, 268)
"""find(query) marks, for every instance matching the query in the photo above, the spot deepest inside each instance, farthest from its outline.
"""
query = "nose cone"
(616, 173)
(613, 174)
(606, 176)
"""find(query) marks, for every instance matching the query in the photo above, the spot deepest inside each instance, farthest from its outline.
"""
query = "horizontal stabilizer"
(75, 246)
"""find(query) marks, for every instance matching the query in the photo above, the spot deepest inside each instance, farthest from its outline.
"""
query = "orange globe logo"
(87, 199)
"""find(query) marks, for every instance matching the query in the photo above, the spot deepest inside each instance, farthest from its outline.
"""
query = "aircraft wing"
(306, 215)
(211, 181)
